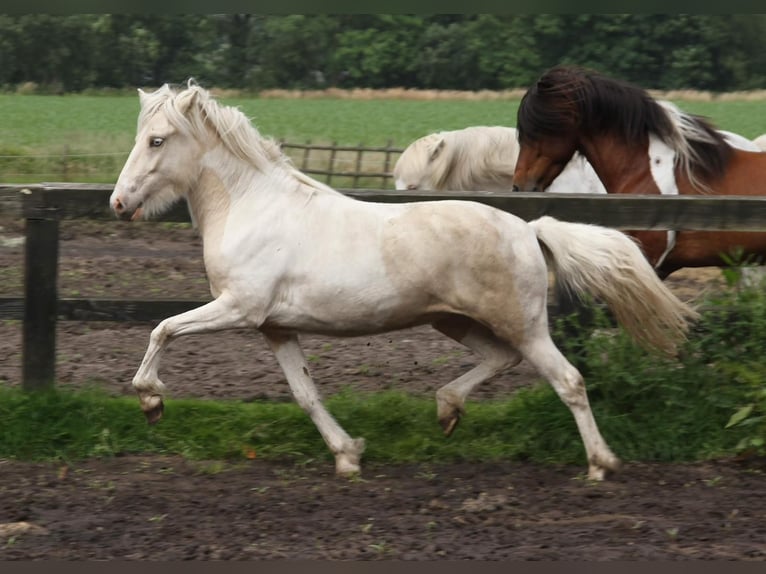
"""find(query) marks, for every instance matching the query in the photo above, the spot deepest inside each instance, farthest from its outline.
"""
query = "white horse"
(286, 254)
(479, 158)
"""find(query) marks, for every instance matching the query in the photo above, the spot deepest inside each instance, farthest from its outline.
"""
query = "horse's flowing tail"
(610, 266)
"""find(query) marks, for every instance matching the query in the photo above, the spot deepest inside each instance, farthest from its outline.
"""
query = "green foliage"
(379, 55)
(736, 337)
(715, 392)
(63, 53)
(737, 260)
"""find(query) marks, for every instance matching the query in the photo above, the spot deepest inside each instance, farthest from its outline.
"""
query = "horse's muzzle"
(532, 188)
(122, 212)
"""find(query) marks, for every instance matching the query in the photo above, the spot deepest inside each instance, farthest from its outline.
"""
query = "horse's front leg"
(290, 356)
(216, 315)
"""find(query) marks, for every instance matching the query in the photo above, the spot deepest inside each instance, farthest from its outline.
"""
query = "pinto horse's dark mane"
(572, 98)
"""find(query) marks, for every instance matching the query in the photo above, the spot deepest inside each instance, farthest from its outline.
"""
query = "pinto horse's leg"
(568, 383)
(214, 316)
(496, 356)
(290, 356)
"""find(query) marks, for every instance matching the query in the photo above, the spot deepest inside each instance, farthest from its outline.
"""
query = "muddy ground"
(167, 508)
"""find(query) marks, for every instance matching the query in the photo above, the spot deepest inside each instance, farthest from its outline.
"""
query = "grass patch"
(675, 422)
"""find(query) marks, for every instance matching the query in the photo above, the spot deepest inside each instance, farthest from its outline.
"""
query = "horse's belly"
(359, 312)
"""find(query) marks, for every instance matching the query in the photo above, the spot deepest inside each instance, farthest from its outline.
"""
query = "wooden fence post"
(306, 152)
(41, 295)
(387, 163)
(358, 167)
(331, 167)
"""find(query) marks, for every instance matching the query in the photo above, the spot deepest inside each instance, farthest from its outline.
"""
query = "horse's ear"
(186, 98)
(141, 96)
(435, 148)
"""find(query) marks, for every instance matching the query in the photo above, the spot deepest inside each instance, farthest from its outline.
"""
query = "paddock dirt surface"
(163, 508)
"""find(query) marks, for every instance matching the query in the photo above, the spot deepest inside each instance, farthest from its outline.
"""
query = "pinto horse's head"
(547, 124)
(574, 109)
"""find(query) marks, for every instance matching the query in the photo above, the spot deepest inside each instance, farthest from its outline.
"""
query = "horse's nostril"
(118, 207)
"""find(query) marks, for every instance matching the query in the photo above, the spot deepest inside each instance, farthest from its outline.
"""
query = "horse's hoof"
(347, 468)
(347, 462)
(449, 409)
(449, 424)
(604, 468)
(154, 414)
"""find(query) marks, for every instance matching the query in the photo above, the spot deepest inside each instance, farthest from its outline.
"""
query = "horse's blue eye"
(156, 142)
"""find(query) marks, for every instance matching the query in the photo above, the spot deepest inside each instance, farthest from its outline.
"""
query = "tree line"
(68, 53)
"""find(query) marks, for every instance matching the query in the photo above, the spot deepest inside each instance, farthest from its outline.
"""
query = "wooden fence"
(353, 167)
(43, 206)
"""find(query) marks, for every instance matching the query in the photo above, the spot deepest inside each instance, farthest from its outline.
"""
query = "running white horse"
(479, 158)
(286, 254)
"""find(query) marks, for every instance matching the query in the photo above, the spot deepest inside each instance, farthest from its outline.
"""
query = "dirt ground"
(162, 508)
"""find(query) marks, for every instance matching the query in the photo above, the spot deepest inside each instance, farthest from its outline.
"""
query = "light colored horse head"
(474, 158)
(176, 128)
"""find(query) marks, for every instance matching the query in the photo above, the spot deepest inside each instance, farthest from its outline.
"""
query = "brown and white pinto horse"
(614, 124)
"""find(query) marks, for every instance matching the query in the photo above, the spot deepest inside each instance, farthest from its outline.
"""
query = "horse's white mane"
(482, 156)
(760, 142)
(686, 130)
(194, 111)
(234, 128)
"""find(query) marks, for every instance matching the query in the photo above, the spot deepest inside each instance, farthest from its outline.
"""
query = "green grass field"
(107, 123)
(73, 125)
(89, 123)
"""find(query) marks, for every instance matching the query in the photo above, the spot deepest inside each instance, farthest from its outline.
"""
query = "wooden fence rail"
(44, 205)
(327, 162)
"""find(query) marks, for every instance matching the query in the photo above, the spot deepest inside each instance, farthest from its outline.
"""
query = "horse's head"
(414, 168)
(164, 161)
(547, 125)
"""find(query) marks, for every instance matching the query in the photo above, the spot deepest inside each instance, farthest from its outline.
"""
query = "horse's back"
(462, 242)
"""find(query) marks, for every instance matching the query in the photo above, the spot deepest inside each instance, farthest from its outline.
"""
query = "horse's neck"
(622, 167)
(233, 184)
(209, 201)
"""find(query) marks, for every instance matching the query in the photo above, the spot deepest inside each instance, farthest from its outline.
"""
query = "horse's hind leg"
(496, 356)
(570, 387)
(290, 356)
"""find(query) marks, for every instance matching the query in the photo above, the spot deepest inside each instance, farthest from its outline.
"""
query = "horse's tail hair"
(610, 266)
